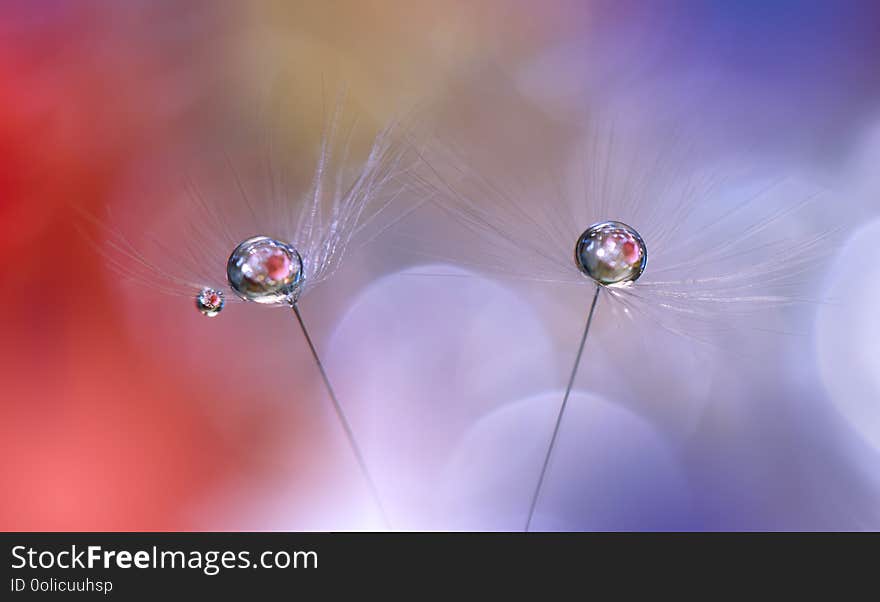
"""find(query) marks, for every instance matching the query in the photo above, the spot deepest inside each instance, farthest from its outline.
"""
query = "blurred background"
(124, 409)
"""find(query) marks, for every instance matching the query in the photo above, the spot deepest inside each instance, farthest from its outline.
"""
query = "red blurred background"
(98, 431)
(95, 434)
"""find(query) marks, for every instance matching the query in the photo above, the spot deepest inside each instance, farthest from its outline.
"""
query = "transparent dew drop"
(265, 270)
(210, 302)
(611, 253)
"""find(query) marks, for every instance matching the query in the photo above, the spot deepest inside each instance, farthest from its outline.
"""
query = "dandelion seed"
(524, 212)
(277, 240)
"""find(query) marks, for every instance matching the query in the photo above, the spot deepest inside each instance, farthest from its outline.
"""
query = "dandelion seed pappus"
(613, 187)
(255, 226)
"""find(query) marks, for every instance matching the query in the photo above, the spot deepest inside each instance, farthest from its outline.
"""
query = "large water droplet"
(611, 253)
(265, 270)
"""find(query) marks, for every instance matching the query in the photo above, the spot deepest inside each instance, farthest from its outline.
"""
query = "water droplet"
(265, 270)
(611, 253)
(210, 302)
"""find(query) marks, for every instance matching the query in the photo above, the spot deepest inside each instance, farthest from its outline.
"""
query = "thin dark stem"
(343, 421)
(574, 371)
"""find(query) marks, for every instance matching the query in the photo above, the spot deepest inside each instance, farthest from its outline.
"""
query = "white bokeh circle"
(848, 333)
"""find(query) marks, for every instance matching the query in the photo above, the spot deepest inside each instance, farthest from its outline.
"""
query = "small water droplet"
(210, 302)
